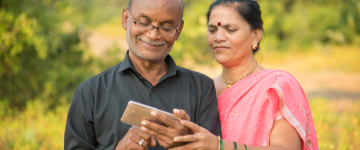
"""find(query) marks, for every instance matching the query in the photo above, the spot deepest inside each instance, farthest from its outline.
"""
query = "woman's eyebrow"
(210, 25)
(226, 26)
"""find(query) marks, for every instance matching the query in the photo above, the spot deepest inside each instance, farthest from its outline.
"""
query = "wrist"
(119, 146)
(229, 145)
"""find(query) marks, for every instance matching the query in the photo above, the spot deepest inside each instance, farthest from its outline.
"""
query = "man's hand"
(133, 137)
(171, 128)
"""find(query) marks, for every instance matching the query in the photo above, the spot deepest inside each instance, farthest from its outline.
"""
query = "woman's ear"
(258, 34)
(124, 17)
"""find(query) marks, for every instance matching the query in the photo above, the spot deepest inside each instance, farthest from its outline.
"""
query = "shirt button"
(153, 89)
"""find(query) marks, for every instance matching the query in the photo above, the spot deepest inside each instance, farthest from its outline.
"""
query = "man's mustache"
(151, 42)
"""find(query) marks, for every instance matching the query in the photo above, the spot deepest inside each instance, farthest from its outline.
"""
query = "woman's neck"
(236, 72)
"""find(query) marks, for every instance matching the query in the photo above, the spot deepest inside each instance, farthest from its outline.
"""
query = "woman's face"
(230, 37)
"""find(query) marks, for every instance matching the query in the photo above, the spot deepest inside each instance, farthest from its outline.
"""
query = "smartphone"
(136, 112)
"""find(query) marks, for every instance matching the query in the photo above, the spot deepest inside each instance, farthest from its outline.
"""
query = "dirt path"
(99, 42)
(329, 85)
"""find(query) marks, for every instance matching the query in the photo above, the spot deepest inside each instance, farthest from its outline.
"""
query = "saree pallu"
(249, 108)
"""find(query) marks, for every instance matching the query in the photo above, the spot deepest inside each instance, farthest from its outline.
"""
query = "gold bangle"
(219, 141)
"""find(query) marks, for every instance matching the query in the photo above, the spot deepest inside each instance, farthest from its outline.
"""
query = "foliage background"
(47, 50)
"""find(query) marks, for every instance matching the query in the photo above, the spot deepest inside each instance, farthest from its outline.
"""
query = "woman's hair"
(247, 9)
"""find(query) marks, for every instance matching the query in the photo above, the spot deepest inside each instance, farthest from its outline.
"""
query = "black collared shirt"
(93, 120)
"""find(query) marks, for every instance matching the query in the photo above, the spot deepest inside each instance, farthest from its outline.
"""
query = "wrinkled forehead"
(173, 8)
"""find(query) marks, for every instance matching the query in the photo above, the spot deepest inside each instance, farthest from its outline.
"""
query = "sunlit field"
(49, 47)
(34, 128)
(337, 121)
(337, 124)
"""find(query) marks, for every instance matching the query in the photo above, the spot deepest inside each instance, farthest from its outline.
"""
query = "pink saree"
(249, 108)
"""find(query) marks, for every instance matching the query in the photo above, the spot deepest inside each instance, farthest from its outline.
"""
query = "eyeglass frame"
(153, 27)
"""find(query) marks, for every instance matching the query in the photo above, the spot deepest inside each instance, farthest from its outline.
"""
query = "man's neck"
(150, 70)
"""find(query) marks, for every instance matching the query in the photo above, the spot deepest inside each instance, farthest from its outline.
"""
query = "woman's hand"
(201, 139)
(170, 128)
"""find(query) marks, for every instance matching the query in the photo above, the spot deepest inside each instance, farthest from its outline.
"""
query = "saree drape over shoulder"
(249, 108)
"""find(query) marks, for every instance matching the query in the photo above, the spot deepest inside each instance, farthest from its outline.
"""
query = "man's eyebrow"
(143, 15)
(166, 21)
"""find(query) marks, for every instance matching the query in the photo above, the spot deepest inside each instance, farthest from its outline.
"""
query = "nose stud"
(219, 24)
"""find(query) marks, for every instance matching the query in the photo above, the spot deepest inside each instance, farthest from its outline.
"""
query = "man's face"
(151, 46)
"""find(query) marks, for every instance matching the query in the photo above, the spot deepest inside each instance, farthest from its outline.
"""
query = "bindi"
(219, 24)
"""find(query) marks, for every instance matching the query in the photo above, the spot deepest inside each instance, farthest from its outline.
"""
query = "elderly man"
(147, 75)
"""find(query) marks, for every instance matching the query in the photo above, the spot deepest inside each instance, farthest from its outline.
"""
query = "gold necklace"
(229, 84)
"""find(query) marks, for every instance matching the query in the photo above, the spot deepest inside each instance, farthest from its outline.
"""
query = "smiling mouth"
(152, 44)
(221, 47)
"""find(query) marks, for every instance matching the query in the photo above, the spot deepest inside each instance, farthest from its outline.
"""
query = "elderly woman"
(259, 108)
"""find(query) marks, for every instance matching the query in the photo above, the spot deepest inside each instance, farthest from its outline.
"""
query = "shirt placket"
(152, 93)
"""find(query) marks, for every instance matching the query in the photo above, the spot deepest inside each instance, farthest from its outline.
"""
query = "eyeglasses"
(144, 27)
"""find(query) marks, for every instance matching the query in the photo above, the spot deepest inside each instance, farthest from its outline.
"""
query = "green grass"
(337, 124)
(34, 128)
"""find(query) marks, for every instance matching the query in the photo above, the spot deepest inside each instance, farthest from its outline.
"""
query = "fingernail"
(182, 121)
(177, 110)
(143, 123)
(142, 128)
(176, 139)
(153, 113)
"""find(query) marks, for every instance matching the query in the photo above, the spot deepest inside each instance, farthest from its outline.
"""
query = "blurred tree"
(288, 25)
(95, 12)
(192, 45)
(43, 43)
(302, 24)
(40, 56)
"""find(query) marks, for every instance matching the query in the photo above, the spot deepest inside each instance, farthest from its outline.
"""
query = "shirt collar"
(172, 68)
(127, 64)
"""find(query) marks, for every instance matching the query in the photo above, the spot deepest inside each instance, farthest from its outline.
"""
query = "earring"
(255, 47)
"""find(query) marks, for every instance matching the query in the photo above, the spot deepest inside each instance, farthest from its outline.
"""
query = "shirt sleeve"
(80, 131)
(208, 114)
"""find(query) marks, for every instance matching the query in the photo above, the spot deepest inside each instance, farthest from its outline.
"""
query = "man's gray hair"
(182, 15)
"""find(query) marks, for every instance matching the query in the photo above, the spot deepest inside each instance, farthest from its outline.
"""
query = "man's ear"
(179, 30)
(258, 34)
(124, 17)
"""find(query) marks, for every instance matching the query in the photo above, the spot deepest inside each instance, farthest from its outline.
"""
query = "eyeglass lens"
(146, 27)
